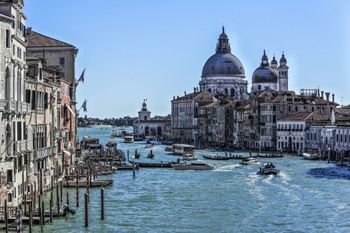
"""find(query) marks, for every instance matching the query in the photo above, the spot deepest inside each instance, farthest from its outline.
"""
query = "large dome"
(264, 75)
(223, 64)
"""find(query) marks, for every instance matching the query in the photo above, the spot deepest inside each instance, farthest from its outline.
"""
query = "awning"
(67, 152)
(71, 111)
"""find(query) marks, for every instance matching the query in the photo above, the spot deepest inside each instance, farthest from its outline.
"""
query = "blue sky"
(156, 49)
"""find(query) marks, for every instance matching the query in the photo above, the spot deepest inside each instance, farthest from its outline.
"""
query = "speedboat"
(128, 139)
(192, 166)
(248, 161)
(268, 169)
(311, 156)
(189, 157)
(149, 146)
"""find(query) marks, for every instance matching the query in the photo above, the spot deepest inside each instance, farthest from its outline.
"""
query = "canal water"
(231, 198)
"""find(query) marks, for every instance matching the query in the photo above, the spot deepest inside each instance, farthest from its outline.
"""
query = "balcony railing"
(2, 104)
(11, 105)
(43, 152)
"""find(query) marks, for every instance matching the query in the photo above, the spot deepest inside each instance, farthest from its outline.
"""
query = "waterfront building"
(151, 127)
(220, 122)
(231, 116)
(331, 135)
(223, 72)
(13, 108)
(268, 107)
(292, 131)
(42, 92)
(61, 55)
(185, 116)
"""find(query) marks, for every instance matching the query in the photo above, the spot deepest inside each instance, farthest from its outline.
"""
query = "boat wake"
(226, 168)
(285, 178)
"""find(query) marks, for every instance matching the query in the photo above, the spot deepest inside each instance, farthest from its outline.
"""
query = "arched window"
(226, 91)
(209, 90)
(232, 92)
(7, 84)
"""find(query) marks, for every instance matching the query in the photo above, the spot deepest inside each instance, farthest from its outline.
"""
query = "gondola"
(218, 157)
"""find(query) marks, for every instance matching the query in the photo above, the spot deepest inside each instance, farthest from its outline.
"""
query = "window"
(28, 96)
(62, 61)
(19, 130)
(8, 40)
(46, 100)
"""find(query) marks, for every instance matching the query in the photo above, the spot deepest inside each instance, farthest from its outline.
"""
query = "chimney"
(322, 94)
(318, 92)
(185, 92)
(29, 30)
(333, 97)
(327, 96)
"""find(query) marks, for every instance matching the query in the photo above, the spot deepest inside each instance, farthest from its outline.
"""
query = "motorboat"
(311, 156)
(189, 157)
(128, 138)
(218, 157)
(168, 149)
(248, 161)
(149, 146)
(192, 166)
(183, 149)
(268, 169)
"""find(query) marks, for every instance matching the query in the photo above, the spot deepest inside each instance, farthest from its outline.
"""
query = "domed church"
(273, 77)
(223, 73)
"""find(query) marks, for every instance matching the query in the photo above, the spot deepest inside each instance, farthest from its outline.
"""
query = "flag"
(81, 79)
(84, 106)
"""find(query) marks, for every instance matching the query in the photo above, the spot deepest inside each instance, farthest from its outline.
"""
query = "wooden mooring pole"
(77, 189)
(86, 211)
(102, 204)
(30, 217)
(67, 197)
(43, 212)
(6, 218)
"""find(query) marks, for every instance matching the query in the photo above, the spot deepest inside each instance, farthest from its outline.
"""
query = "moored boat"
(189, 157)
(311, 156)
(193, 166)
(248, 161)
(128, 138)
(268, 169)
(83, 183)
(183, 149)
(218, 157)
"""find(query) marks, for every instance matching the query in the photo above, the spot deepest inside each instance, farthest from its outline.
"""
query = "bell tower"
(144, 114)
(283, 74)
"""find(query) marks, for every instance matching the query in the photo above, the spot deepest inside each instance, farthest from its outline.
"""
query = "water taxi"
(183, 149)
(268, 169)
(311, 156)
(192, 166)
(128, 138)
(248, 161)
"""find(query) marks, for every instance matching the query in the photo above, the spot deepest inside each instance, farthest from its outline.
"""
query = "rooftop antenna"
(342, 99)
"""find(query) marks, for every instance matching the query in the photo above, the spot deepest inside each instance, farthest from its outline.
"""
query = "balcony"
(43, 153)
(24, 108)
(2, 104)
(11, 105)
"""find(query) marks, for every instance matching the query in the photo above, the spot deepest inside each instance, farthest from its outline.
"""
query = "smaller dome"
(264, 74)
(274, 61)
(283, 59)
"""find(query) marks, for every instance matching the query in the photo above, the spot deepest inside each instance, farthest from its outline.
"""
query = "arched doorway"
(159, 131)
(146, 131)
(232, 92)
